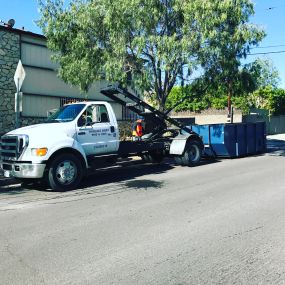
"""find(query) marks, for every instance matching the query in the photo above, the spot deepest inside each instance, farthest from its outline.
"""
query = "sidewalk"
(280, 137)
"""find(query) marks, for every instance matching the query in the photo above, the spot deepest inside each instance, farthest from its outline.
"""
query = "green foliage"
(263, 73)
(157, 42)
(241, 103)
(252, 83)
(222, 59)
(193, 102)
(269, 98)
(219, 102)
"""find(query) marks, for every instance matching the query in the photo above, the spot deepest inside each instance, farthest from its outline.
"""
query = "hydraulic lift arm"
(113, 91)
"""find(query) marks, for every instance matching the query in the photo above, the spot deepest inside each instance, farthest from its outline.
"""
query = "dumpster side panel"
(217, 138)
(231, 140)
(260, 137)
(203, 131)
(251, 138)
(241, 139)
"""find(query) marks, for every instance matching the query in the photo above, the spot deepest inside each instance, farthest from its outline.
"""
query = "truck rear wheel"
(65, 172)
(153, 157)
(192, 154)
(178, 159)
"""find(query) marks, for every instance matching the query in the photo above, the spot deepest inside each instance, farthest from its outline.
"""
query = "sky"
(269, 14)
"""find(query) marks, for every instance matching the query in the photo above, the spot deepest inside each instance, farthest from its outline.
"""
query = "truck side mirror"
(80, 122)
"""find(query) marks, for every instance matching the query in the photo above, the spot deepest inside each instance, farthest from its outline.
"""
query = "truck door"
(95, 132)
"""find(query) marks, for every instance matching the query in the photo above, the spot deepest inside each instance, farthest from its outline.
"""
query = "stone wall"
(9, 57)
(27, 121)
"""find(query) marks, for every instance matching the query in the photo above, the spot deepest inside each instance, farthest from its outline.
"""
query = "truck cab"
(58, 149)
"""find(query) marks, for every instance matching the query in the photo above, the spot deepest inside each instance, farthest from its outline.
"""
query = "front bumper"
(22, 170)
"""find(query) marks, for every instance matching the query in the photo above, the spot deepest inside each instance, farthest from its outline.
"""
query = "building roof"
(21, 32)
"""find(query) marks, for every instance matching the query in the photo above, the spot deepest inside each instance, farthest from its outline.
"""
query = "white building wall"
(42, 88)
(46, 82)
(37, 106)
(37, 56)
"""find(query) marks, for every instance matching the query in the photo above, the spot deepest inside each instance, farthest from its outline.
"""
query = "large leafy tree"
(254, 83)
(156, 43)
(234, 37)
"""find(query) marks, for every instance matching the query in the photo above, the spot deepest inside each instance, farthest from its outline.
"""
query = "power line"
(273, 46)
(269, 52)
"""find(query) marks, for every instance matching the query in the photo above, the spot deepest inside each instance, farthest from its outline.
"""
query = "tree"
(253, 80)
(194, 101)
(263, 73)
(235, 35)
(157, 43)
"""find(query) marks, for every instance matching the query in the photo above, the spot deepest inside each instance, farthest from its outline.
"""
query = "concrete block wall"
(210, 116)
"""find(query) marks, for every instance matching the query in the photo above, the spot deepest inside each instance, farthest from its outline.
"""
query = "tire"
(145, 157)
(192, 154)
(65, 172)
(178, 160)
(153, 157)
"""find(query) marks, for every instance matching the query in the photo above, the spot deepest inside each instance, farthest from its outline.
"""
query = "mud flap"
(178, 145)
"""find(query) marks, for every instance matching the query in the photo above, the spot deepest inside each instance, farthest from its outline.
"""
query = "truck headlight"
(39, 151)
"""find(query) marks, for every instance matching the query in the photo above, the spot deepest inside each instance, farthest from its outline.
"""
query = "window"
(128, 115)
(66, 114)
(94, 114)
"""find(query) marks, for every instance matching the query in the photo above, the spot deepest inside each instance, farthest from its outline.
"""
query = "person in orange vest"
(138, 129)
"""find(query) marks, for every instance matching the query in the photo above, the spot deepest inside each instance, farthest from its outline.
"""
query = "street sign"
(19, 76)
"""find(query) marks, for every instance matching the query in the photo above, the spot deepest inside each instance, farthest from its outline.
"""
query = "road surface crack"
(244, 232)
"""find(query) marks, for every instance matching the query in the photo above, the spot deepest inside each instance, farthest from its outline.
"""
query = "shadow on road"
(124, 174)
(143, 184)
(132, 171)
(13, 190)
(275, 147)
(208, 160)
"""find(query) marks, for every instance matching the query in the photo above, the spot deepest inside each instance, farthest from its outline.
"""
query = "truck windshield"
(66, 113)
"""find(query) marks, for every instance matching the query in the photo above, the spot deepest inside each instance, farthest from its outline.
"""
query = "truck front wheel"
(65, 172)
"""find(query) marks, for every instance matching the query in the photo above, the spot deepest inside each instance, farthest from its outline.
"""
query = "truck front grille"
(11, 147)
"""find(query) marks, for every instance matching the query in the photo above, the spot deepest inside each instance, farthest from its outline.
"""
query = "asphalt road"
(220, 223)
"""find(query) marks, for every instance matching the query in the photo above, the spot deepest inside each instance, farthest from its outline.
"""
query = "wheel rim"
(66, 172)
(193, 153)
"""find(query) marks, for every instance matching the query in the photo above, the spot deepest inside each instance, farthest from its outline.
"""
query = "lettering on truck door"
(94, 131)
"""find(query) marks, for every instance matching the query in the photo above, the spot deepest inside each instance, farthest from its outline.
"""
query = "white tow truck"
(80, 136)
